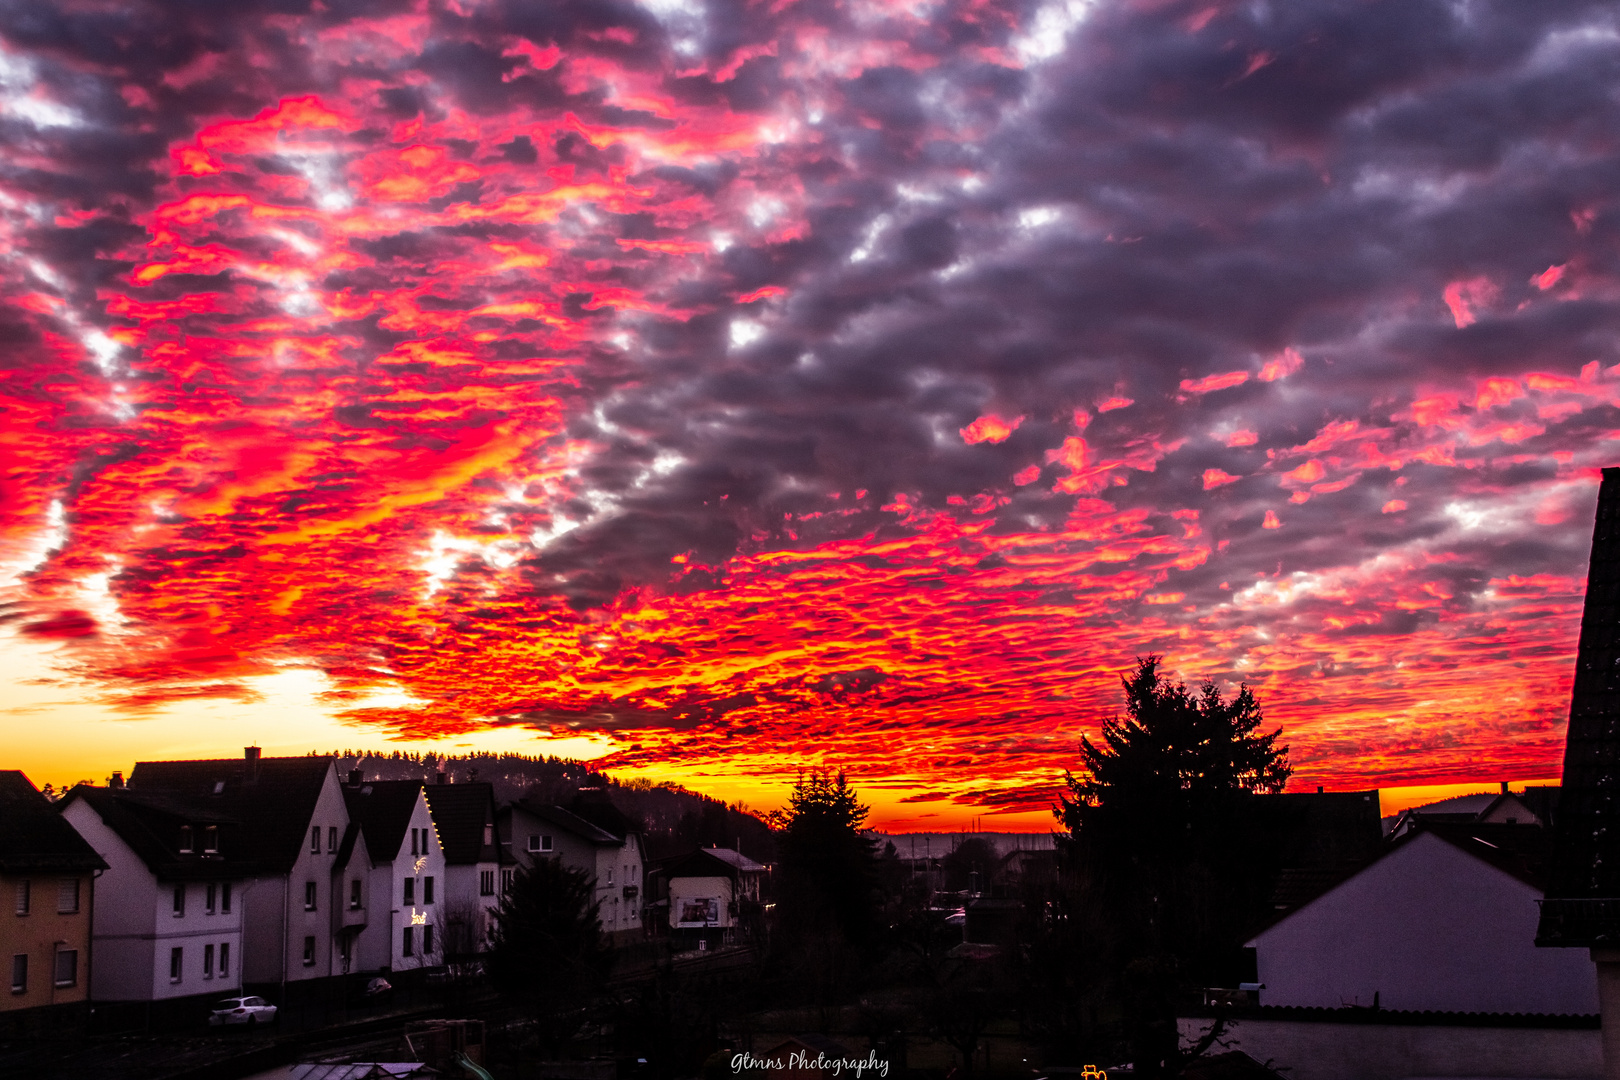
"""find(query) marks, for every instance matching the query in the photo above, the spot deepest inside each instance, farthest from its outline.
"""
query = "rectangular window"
(610, 875)
(343, 948)
(427, 889)
(67, 967)
(416, 838)
(208, 961)
(225, 898)
(67, 896)
(22, 897)
(309, 896)
(19, 973)
(314, 839)
(534, 841)
(211, 839)
(506, 879)
(489, 834)
(354, 894)
(186, 846)
(224, 959)
(409, 896)
(179, 901)
(331, 838)
(177, 960)
(210, 895)
(407, 946)
(486, 883)
(545, 843)
(309, 952)
(427, 939)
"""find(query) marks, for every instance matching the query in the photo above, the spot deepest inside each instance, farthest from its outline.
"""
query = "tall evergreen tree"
(1169, 844)
(546, 949)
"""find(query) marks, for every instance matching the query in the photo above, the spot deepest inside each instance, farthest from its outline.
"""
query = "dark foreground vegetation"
(1167, 849)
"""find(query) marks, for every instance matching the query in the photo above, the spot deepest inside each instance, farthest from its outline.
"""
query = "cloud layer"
(863, 383)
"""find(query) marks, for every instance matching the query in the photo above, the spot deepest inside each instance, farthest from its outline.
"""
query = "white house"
(606, 846)
(464, 818)
(1443, 921)
(406, 890)
(170, 924)
(710, 892)
(291, 824)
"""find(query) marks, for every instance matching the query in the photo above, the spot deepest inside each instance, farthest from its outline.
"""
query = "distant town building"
(47, 888)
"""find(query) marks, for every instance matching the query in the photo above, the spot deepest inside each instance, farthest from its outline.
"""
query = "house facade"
(406, 882)
(47, 900)
(171, 926)
(711, 894)
(1443, 922)
(293, 825)
(464, 819)
(610, 853)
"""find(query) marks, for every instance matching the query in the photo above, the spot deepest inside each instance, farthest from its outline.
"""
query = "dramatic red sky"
(736, 386)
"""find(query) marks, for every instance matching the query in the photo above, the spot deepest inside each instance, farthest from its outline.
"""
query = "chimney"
(116, 780)
(438, 777)
(355, 777)
(1504, 787)
(1319, 789)
(250, 758)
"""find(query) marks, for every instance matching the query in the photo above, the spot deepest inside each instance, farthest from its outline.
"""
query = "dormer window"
(211, 839)
(186, 842)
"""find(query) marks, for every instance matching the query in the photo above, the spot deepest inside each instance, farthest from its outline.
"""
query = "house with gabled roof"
(177, 871)
(710, 895)
(609, 852)
(47, 887)
(1422, 962)
(292, 826)
(405, 891)
(464, 817)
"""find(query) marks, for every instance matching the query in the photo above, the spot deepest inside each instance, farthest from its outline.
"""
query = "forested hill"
(673, 819)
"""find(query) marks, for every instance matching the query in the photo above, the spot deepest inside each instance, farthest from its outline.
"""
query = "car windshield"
(254, 1001)
(228, 1003)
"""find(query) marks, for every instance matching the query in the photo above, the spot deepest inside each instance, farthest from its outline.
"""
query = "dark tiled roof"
(599, 810)
(708, 862)
(150, 824)
(571, 822)
(33, 835)
(274, 805)
(382, 808)
(460, 812)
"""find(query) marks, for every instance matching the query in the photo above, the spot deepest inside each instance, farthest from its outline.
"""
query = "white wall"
(330, 812)
(382, 943)
(696, 888)
(1426, 927)
(1328, 1051)
(135, 928)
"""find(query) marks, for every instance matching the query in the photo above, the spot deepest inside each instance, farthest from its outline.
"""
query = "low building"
(47, 891)
(174, 932)
(713, 896)
(1422, 962)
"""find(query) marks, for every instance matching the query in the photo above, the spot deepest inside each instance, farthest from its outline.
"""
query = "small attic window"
(489, 834)
(187, 845)
(211, 839)
(219, 786)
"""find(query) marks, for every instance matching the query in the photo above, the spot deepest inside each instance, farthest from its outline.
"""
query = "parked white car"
(242, 1010)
